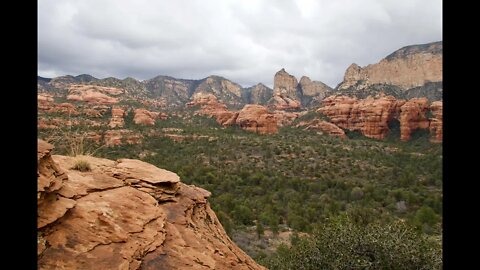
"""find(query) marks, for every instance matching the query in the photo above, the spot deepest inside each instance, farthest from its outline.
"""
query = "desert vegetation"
(299, 180)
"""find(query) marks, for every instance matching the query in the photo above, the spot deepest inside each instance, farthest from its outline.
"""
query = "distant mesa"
(412, 71)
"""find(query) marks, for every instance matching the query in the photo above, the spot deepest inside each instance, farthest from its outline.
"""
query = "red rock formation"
(407, 67)
(282, 102)
(370, 116)
(93, 94)
(44, 101)
(117, 119)
(46, 104)
(436, 122)
(313, 88)
(126, 214)
(258, 119)
(121, 136)
(323, 126)
(285, 93)
(51, 206)
(211, 107)
(285, 118)
(413, 115)
(285, 84)
(252, 117)
(145, 117)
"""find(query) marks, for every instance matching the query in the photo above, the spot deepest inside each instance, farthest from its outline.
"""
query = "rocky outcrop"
(44, 101)
(323, 127)
(46, 104)
(281, 102)
(93, 94)
(413, 116)
(126, 214)
(258, 94)
(145, 117)
(436, 122)
(224, 90)
(417, 68)
(285, 92)
(289, 94)
(313, 88)
(369, 116)
(285, 118)
(372, 116)
(169, 90)
(210, 106)
(285, 84)
(257, 118)
(50, 205)
(117, 119)
(121, 136)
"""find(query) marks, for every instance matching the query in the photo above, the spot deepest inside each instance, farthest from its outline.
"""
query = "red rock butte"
(371, 116)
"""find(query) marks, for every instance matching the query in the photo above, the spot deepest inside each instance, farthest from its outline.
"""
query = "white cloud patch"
(246, 41)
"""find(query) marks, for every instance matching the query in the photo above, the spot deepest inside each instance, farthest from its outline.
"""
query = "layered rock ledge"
(126, 214)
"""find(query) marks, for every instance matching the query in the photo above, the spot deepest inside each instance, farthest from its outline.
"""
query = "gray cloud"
(246, 41)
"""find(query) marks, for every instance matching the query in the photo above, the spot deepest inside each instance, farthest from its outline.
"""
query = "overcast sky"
(246, 41)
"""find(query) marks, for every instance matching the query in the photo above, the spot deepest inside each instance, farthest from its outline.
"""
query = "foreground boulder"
(126, 214)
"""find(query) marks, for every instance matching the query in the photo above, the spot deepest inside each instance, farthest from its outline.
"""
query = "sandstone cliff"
(224, 90)
(313, 88)
(126, 214)
(417, 68)
(369, 116)
(145, 117)
(173, 91)
(372, 116)
(93, 94)
(258, 94)
(289, 94)
(258, 119)
(436, 121)
(286, 95)
(285, 84)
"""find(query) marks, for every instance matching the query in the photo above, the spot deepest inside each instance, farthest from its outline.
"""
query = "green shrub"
(341, 244)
